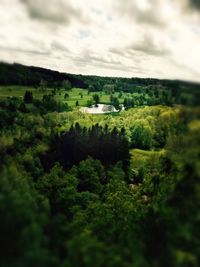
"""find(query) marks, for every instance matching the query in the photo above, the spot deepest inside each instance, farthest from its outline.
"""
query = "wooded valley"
(114, 189)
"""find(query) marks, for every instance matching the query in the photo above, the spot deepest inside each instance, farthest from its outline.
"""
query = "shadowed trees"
(78, 143)
(96, 99)
(28, 97)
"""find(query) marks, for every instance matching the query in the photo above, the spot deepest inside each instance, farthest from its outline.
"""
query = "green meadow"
(75, 94)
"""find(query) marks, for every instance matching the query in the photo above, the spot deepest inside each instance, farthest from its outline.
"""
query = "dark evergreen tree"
(96, 99)
(28, 97)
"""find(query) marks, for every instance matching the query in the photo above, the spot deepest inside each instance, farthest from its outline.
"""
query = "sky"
(126, 38)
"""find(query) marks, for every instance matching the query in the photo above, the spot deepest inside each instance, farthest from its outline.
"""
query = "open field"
(76, 94)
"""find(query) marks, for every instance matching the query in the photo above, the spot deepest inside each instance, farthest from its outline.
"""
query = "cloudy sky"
(143, 38)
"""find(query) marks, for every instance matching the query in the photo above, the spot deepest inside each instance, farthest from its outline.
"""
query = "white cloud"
(116, 38)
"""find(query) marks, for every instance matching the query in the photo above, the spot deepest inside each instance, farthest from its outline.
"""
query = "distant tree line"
(17, 74)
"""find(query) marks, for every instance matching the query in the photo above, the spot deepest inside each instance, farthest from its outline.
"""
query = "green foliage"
(128, 103)
(96, 99)
(22, 108)
(66, 85)
(91, 176)
(109, 88)
(115, 103)
(78, 143)
(70, 195)
(24, 215)
(141, 136)
(43, 85)
(89, 103)
(66, 96)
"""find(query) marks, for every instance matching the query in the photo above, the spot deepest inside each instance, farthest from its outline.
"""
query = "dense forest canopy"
(110, 190)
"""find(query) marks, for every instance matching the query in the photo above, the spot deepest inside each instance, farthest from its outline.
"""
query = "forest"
(106, 190)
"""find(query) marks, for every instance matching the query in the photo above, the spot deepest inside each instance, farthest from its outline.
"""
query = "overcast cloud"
(143, 38)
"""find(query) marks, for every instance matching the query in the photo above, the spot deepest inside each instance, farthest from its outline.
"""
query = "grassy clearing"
(141, 157)
(76, 94)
